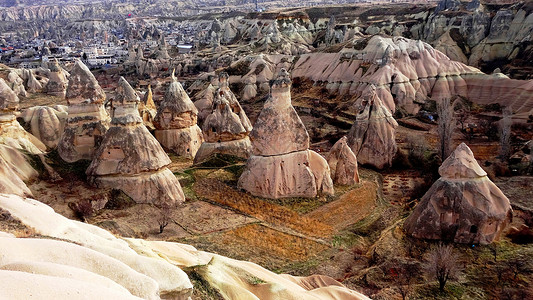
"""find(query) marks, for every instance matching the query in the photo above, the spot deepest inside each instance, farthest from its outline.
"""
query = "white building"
(101, 60)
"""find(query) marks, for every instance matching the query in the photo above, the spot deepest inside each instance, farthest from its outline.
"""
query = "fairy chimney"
(372, 137)
(175, 122)
(87, 119)
(226, 129)
(281, 164)
(463, 206)
(343, 163)
(57, 82)
(130, 158)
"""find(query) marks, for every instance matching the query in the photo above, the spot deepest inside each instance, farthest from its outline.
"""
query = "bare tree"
(404, 275)
(505, 133)
(447, 122)
(442, 264)
(463, 113)
(164, 217)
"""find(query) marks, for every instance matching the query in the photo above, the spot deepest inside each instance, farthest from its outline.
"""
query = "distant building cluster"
(95, 52)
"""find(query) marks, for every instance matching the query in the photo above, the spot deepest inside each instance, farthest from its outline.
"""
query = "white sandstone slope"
(45, 221)
(50, 251)
(63, 271)
(90, 263)
(15, 285)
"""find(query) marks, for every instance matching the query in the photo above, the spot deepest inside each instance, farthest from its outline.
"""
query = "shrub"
(164, 218)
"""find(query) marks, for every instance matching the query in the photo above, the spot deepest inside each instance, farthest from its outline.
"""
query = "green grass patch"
(347, 240)
(187, 180)
(452, 290)
(300, 268)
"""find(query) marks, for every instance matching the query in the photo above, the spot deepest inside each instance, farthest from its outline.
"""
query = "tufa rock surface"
(11, 133)
(204, 104)
(16, 84)
(9, 101)
(279, 129)
(33, 85)
(147, 109)
(46, 123)
(14, 170)
(372, 136)
(57, 81)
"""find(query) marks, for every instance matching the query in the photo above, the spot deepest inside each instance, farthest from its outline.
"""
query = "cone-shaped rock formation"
(87, 119)
(372, 137)
(343, 163)
(9, 101)
(463, 206)
(175, 122)
(57, 83)
(282, 164)
(16, 84)
(130, 158)
(205, 103)
(33, 85)
(226, 129)
(147, 109)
